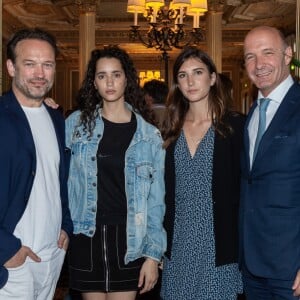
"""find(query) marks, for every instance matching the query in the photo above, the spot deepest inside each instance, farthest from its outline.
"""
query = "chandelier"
(166, 21)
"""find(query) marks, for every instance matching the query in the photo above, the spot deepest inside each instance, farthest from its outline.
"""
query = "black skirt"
(97, 264)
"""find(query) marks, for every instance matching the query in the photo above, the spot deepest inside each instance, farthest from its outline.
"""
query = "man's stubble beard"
(33, 93)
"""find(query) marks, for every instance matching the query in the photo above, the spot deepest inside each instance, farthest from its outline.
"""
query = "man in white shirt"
(35, 222)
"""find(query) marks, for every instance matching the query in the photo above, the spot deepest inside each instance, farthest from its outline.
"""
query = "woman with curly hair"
(203, 141)
(116, 183)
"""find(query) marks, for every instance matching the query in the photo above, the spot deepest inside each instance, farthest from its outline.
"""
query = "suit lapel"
(18, 115)
(289, 105)
(246, 136)
(15, 110)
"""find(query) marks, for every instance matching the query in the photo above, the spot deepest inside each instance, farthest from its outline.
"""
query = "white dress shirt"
(276, 97)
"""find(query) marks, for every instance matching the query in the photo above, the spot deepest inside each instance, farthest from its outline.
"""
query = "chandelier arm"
(159, 39)
(161, 35)
(179, 36)
(154, 36)
(195, 37)
(135, 34)
(173, 14)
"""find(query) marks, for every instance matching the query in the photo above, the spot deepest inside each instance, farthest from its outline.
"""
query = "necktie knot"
(263, 104)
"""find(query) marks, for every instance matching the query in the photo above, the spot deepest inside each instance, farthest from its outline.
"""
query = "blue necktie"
(263, 104)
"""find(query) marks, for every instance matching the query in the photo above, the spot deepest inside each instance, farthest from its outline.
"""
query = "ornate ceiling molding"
(86, 6)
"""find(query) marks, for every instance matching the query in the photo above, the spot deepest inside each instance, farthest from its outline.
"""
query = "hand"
(19, 258)
(148, 275)
(296, 285)
(63, 241)
(50, 102)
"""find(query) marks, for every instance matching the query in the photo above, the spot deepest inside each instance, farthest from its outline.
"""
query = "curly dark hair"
(88, 98)
(177, 105)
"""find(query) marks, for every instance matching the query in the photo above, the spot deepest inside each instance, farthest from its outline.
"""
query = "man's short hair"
(29, 34)
(157, 90)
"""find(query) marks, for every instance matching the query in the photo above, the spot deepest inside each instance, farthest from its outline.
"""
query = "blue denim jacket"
(144, 179)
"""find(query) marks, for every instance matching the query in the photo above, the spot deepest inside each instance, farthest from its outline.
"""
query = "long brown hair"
(177, 105)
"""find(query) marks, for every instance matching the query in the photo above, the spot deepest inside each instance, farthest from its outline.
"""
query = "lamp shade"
(180, 3)
(136, 6)
(136, 2)
(197, 6)
(155, 3)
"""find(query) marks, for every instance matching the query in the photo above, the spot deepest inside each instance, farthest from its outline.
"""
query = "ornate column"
(87, 20)
(214, 34)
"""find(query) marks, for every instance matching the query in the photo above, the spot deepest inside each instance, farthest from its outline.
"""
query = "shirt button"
(94, 183)
(93, 158)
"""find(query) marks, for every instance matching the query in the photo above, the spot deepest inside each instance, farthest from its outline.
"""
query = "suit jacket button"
(249, 181)
(33, 173)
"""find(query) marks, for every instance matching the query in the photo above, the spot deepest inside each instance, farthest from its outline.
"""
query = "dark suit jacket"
(225, 191)
(270, 195)
(17, 171)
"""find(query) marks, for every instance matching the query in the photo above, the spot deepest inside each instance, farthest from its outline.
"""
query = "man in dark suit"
(35, 222)
(270, 191)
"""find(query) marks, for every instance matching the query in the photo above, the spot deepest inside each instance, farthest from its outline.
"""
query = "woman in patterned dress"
(203, 140)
